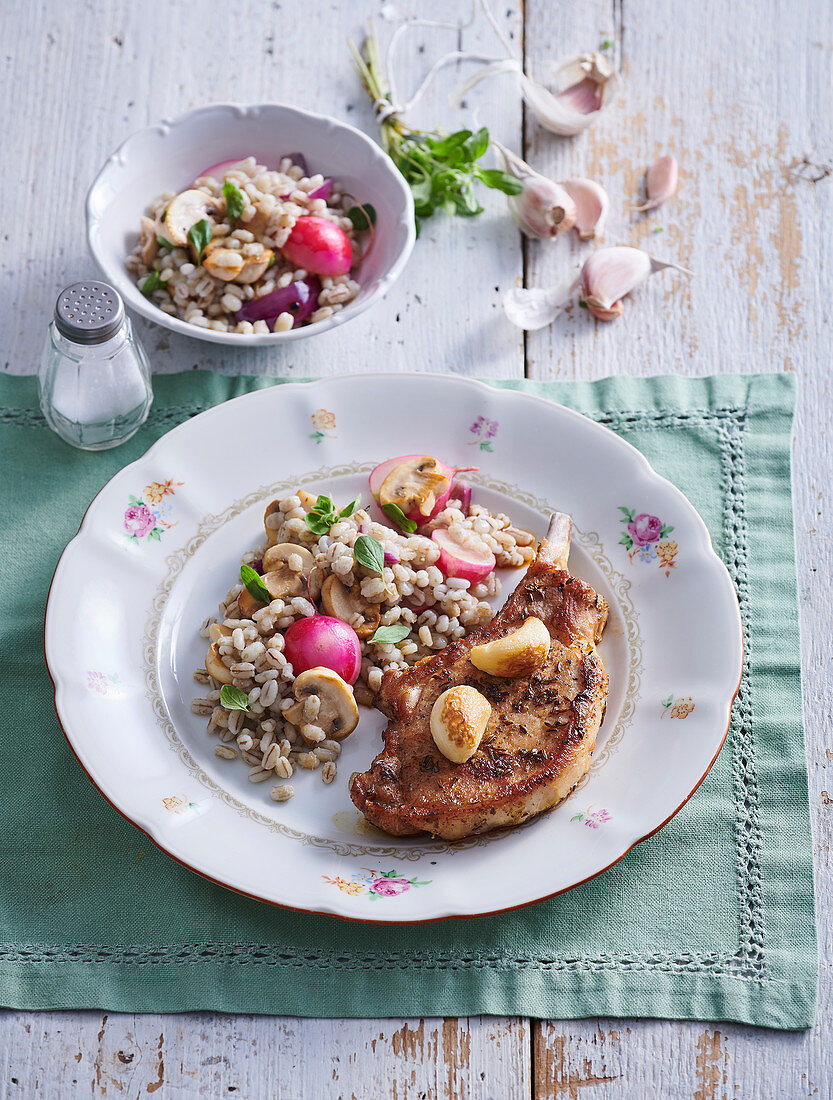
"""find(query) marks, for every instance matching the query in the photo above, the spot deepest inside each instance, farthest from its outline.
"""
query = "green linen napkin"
(712, 918)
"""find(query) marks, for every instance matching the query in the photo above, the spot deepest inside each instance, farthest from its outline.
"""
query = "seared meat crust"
(540, 736)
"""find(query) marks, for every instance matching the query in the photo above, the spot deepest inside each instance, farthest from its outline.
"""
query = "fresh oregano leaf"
(394, 512)
(234, 200)
(233, 698)
(153, 282)
(500, 181)
(396, 633)
(256, 588)
(350, 508)
(199, 235)
(362, 216)
(163, 242)
(369, 552)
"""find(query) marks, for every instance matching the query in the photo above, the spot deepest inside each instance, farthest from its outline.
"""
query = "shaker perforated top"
(89, 312)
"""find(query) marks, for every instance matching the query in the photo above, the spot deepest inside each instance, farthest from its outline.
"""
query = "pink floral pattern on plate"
(145, 517)
(592, 818)
(677, 708)
(646, 538)
(324, 423)
(484, 431)
(105, 683)
(376, 884)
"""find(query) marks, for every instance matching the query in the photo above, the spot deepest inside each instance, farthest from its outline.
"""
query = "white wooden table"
(741, 93)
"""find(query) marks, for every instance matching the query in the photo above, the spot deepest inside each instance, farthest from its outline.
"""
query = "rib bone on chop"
(542, 730)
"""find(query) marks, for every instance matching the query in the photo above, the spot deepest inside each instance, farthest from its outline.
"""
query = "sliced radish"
(218, 170)
(463, 555)
(384, 469)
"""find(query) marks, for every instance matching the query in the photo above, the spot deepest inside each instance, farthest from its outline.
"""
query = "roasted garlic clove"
(458, 721)
(515, 654)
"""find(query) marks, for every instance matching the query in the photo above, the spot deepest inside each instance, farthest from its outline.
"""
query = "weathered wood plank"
(50, 1056)
(741, 119)
(88, 75)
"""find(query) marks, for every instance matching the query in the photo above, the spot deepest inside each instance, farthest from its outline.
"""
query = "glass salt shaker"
(93, 378)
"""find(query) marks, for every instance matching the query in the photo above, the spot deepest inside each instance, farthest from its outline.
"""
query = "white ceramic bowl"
(166, 157)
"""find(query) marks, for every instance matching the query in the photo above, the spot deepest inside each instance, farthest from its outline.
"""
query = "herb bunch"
(324, 515)
(441, 169)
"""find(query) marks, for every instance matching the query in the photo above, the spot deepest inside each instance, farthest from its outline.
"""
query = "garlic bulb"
(543, 209)
(606, 277)
(660, 182)
(591, 206)
(588, 86)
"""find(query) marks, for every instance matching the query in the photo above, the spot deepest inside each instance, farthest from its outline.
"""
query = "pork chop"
(541, 732)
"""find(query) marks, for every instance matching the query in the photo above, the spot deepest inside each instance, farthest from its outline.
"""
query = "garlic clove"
(611, 273)
(537, 307)
(544, 208)
(616, 310)
(660, 182)
(587, 86)
(591, 206)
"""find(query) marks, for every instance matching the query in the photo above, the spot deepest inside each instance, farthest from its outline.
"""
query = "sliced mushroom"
(515, 654)
(272, 509)
(247, 604)
(282, 583)
(345, 603)
(215, 667)
(217, 631)
(315, 582)
(338, 714)
(186, 210)
(307, 500)
(414, 485)
(223, 263)
(294, 714)
(283, 552)
(458, 721)
(148, 241)
(255, 266)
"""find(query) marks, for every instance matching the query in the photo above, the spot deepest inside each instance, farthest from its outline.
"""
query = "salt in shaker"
(93, 379)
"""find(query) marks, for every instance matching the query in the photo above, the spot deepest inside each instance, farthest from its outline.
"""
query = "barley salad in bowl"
(250, 224)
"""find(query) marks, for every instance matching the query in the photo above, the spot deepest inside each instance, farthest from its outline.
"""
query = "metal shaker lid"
(89, 312)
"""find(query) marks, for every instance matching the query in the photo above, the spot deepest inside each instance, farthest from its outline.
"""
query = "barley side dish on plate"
(332, 599)
(250, 249)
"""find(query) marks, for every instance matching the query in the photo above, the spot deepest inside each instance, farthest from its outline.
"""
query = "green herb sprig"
(255, 586)
(370, 553)
(234, 199)
(396, 633)
(199, 235)
(441, 169)
(233, 698)
(154, 281)
(362, 216)
(394, 512)
(323, 515)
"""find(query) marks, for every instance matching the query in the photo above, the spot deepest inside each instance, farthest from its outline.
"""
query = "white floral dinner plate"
(159, 546)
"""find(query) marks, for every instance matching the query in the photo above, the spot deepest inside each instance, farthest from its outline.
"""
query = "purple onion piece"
(322, 192)
(300, 160)
(300, 299)
(288, 195)
(462, 492)
(390, 557)
(257, 565)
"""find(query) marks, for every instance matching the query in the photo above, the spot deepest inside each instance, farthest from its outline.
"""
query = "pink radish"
(457, 558)
(324, 641)
(380, 473)
(319, 246)
(218, 170)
